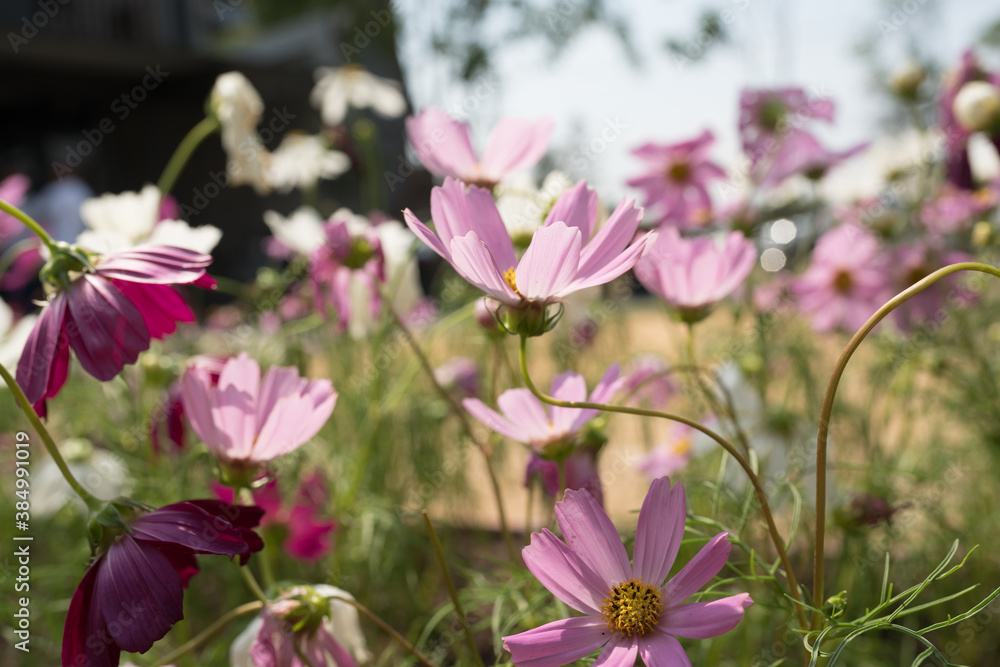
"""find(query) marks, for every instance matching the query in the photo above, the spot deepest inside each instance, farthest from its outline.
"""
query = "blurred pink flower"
(12, 190)
(770, 120)
(459, 375)
(581, 473)
(693, 274)
(914, 262)
(246, 422)
(676, 183)
(546, 428)
(445, 148)
(805, 155)
(134, 590)
(109, 315)
(955, 210)
(562, 257)
(671, 455)
(648, 382)
(846, 282)
(627, 608)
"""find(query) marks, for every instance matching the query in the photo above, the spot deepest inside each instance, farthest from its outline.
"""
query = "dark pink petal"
(104, 328)
(160, 264)
(699, 570)
(660, 530)
(161, 306)
(184, 562)
(619, 652)
(701, 620)
(308, 536)
(564, 573)
(558, 643)
(660, 650)
(85, 636)
(140, 593)
(44, 352)
(590, 534)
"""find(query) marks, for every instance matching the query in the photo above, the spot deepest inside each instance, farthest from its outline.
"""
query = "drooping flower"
(134, 590)
(246, 421)
(846, 281)
(312, 620)
(301, 160)
(107, 311)
(629, 611)
(445, 148)
(563, 256)
(549, 430)
(338, 88)
(676, 184)
(808, 157)
(693, 274)
(121, 221)
(771, 122)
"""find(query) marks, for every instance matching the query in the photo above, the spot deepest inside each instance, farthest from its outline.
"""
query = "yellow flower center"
(632, 608)
(682, 446)
(510, 277)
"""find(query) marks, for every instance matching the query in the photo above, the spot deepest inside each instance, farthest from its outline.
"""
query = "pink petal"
(523, 408)
(590, 534)
(515, 144)
(138, 583)
(45, 346)
(699, 571)
(701, 620)
(85, 635)
(569, 386)
(493, 420)
(234, 415)
(165, 265)
(564, 574)
(441, 142)
(558, 643)
(619, 652)
(473, 261)
(196, 389)
(307, 536)
(550, 263)
(660, 531)
(325, 643)
(294, 421)
(458, 209)
(104, 328)
(424, 233)
(576, 207)
(660, 650)
(612, 238)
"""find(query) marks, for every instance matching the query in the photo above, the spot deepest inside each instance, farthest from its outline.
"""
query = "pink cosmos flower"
(547, 429)
(445, 148)
(806, 156)
(693, 274)
(648, 383)
(629, 611)
(134, 590)
(671, 455)
(563, 257)
(580, 469)
(677, 181)
(914, 262)
(954, 210)
(846, 281)
(247, 422)
(172, 408)
(459, 375)
(108, 315)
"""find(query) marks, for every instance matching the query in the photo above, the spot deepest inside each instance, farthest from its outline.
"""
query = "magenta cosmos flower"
(628, 609)
(805, 155)
(563, 256)
(846, 282)
(247, 422)
(771, 119)
(445, 148)
(107, 312)
(693, 274)
(676, 183)
(547, 429)
(134, 591)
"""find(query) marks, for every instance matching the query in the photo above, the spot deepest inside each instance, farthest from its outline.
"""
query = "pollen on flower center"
(632, 608)
(510, 277)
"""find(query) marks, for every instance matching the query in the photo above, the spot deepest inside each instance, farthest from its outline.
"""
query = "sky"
(604, 106)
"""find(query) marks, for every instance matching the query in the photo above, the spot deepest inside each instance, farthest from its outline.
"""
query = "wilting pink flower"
(580, 469)
(955, 210)
(676, 184)
(958, 170)
(559, 260)
(846, 282)
(648, 382)
(914, 262)
(525, 419)
(108, 315)
(805, 155)
(134, 590)
(693, 274)
(629, 611)
(445, 148)
(247, 422)
(12, 190)
(671, 455)
(308, 535)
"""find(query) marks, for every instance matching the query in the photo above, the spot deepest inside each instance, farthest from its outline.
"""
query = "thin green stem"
(252, 584)
(388, 629)
(184, 151)
(29, 222)
(50, 444)
(452, 593)
(831, 392)
(209, 632)
(765, 507)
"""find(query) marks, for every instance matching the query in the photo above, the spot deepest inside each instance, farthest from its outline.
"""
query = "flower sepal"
(533, 319)
(65, 259)
(307, 611)
(108, 520)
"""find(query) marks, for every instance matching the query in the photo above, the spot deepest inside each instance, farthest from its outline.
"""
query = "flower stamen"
(510, 277)
(633, 608)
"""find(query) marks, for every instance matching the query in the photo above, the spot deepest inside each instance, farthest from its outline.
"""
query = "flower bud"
(977, 106)
(905, 81)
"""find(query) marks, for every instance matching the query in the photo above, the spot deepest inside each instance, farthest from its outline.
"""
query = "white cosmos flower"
(239, 107)
(13, 335)
(302, 231)
(302, 159)
(523, 206)
(120, 221)
(338, 88)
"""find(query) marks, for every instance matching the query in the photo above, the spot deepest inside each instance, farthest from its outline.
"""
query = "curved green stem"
(209, 632)
(183, 153)
(50, 444)
(29, 222)
(765, 507)
(831, 392)
(389, 630)
(252, 584)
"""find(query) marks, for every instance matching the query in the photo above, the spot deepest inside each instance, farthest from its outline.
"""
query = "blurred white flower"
(239, 107)
(977, 106)
(523, 206)
(13, 336)
(302, 159)
(120, 221)
(866, 175)
(100, 472)
(338, 88)
(301, 232)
